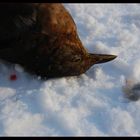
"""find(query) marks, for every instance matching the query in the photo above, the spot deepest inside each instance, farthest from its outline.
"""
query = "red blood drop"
(13, 77)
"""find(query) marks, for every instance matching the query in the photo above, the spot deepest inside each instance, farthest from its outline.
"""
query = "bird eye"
(76, 58)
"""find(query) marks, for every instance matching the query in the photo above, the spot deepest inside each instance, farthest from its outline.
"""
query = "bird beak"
(101, 58)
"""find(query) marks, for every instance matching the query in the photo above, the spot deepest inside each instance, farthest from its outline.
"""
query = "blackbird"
(43, 39)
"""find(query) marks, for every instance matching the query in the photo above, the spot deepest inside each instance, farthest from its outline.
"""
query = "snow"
(93, 104)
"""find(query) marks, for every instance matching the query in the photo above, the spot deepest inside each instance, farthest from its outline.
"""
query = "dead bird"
(44, 40)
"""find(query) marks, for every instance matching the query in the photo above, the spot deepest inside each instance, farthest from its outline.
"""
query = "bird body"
(43, 38)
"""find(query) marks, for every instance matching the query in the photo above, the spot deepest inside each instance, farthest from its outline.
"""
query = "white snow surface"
(93, 104)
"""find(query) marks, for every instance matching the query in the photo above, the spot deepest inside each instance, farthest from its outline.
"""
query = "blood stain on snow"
(13, 77)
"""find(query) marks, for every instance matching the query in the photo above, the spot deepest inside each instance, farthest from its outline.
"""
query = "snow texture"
(97, 103)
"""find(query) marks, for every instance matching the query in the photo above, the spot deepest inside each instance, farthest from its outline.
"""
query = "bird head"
(70, 58)
(63, 51)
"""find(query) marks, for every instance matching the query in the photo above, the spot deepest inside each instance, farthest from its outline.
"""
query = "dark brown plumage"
(43, 39)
